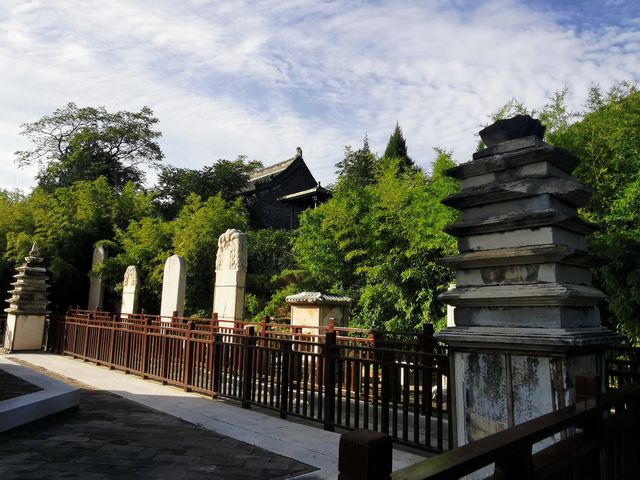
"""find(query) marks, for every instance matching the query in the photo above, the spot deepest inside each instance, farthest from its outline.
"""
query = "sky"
(229, 78)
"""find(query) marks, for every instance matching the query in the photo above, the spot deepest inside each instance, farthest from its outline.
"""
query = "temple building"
(278, 193)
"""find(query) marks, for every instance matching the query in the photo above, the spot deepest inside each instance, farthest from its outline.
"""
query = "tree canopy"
(86, 143)
(606, 138)
(397, 148)
(378, 243)
(225, 177)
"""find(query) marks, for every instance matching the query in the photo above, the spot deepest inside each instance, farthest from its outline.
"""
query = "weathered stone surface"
(534, 316)
(523, 295)
(231, 274)
(523, 274)
(522, 256)
(174, 282)
(524, 237)
(508, 162)
(541, 168)
(96, 289)
(568, 190)
(514, 128)
(316, 309)
(521, 220)
(27, 311)
(130, 290)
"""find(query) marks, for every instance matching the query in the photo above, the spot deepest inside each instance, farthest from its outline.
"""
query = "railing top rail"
(473, 456)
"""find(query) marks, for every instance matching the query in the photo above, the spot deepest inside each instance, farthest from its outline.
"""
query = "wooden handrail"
(499, 446)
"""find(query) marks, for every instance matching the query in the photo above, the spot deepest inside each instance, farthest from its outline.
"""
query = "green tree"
(195, 237)
(378, 244)
(225, 177)
(606, 138)
(85, 143)
(397, 148)
(66, 224)
(358, 167)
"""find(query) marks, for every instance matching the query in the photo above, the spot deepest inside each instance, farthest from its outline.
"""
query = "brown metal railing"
(622, 366)
(3, 326)
(594, 439)
(341, 377)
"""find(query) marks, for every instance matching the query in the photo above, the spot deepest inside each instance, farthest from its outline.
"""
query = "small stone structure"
(174, 282)
(231, 276)
(96, 288)
(27, 312)
(526, 321)
(315, 309)
(130, 290)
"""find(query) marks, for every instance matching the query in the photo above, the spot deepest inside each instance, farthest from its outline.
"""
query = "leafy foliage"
(606, 138)
(378, 243)
(66, 224)
(397, 148)
(225, 177)
(86, 143)
(358, 167)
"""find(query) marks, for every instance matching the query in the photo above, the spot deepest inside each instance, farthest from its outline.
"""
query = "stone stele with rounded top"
(27, 311)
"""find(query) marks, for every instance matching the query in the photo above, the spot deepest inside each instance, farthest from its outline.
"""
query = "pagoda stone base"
(24, 332)
(502, 377)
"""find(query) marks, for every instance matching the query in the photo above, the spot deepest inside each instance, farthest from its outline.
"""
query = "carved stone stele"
(231, 274)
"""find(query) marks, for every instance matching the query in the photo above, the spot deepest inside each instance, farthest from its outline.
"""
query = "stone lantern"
(315, 309)
(27, 312)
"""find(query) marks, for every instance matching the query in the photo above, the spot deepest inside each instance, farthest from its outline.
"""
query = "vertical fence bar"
(329, 359)
(285, 352)
(187, 363)
(248, 341)
(145, 348)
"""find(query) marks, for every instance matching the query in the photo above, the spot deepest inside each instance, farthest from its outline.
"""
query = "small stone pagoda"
(526, 321)
(27, 312)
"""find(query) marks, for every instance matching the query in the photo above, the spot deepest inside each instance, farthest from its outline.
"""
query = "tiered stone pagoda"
(526, 320)
(27, 312)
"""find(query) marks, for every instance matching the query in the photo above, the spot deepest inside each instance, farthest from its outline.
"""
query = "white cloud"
(230, 78)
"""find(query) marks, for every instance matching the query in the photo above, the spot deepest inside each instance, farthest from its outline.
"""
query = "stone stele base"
(228, 297)
(24, 332)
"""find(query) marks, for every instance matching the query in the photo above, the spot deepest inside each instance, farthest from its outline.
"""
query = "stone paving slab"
(301, 440)
(112, 437)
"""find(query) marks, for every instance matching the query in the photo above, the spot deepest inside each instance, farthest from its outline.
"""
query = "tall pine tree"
(397, 148)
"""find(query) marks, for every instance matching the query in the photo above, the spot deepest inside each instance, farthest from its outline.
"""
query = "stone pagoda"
(526, 321)
(27, 312)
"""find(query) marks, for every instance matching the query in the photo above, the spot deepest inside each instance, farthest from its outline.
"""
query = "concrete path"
(296, 440)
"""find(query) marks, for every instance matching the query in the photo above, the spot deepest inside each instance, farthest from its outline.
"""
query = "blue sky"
(260, 78)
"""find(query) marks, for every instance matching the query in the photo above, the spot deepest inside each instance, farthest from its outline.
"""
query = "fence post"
(212, 349)
(365, 455)
(112, 342)
(263, 330)
(427, 373)
(127, 347)
(285, 351)
(248, 341)
(145, 348)
(329, 359)
(188, 356)
(218, 346)
(386, 382)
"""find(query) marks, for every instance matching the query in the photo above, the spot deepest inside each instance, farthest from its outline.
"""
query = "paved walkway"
(302, 444)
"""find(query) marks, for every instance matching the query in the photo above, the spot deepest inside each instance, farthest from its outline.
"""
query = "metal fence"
(622, 366)
(3, 326)
(350, 378)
